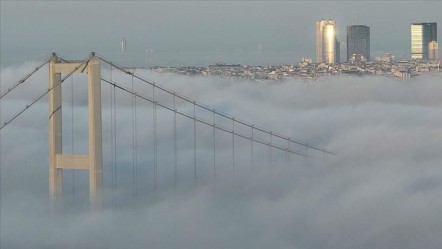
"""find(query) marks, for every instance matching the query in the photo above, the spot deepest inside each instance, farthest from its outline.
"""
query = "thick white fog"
(382, 190)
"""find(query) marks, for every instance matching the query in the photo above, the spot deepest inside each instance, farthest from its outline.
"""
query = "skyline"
(202, 33)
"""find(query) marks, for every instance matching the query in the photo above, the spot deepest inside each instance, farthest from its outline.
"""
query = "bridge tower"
(93, 161)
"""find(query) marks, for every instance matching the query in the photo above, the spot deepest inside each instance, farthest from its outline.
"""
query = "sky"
(200, 32)
(381, 190)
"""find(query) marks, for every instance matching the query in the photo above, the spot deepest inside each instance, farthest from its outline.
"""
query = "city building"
(357, 58)
(358, 42)
(421, 36)
(389, 58)
(326, 42)
(338, 52)
(433, 50)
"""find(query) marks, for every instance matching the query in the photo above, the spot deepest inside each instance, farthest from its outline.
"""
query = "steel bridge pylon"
(93, 161)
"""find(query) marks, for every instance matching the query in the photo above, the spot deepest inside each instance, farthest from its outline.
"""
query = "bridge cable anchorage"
(26, 77)
(275, 146)
(42, 95)
(190, 101)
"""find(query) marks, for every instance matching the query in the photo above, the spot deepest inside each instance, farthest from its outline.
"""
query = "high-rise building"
(326, 41)
(358, 41)
(421, 35)
(433, 50)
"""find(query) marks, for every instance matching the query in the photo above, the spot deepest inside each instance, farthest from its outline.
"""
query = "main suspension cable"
(42, 95)
(218, 113)
(27, 76)
(200, 120)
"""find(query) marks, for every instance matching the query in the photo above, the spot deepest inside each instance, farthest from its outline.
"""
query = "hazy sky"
(200, 32)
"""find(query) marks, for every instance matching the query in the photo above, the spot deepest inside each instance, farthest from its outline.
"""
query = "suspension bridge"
(206, 136)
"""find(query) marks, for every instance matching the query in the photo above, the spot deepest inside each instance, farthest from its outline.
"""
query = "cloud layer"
(381, 191)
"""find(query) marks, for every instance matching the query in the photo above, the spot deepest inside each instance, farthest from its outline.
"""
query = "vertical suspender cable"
(251, 150)
(323, 157)
(154, 111)
(1, 121)
(214, 146)
(175, 158)
(133, 136)
(306, 147)
(289, 156)
(115, 137)
(194, 143)
(233, 148)
(287, 153)
(292, 156)
(270, 149)
(72, 134)
(112, 131)
(136, 148)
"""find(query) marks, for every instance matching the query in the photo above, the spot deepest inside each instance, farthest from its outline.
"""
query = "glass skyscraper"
(358, 41)
(326, 41)
(421, 36)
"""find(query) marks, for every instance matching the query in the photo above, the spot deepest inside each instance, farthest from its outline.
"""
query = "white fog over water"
(381, 190)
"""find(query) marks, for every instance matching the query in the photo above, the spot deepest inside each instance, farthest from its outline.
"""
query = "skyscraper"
(358, 41)
(433, 50)
(326, 41)
(421, 35)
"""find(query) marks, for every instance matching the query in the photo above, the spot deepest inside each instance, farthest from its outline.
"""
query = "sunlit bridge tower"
(93, 161)
(326, 42)
(421, 36)
(358, 42)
